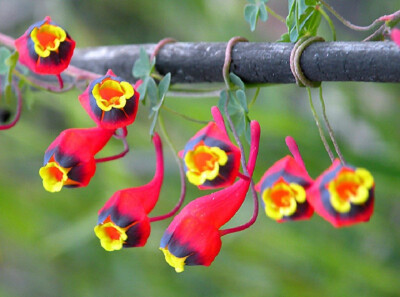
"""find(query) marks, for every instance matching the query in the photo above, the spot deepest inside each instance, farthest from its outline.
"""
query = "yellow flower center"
(47, 39)
(54, 176)
(112, 237)
(281, 199)
(112, 94)
(203, 163)
(350, 187)
(173, 261)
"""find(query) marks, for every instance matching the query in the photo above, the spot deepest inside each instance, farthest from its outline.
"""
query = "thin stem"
(254, 99)
(156, 76)
(191, 94)
(120, 155)
(181, 171)
(330, 23)
(7, 40)
(184, 116)
(81, 74)
(225, 73)
(40, 85)
(329, 128)
(159, 46)
(275, 15)
(246, 172)
(253, 217)
(321, 132)
(19, 109)
(346, 22)
(228, 59)
(378, 34)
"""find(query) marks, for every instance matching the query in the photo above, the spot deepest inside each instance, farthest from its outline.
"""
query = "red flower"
(45, 48)
(193, 237)
(123, 220)
(110, 101)
(283, 191)
(210, 158)
(395, 35)
(69, 160)
(343, 195)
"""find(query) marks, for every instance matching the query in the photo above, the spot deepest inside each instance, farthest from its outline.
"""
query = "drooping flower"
(194, 235)
(123, 221)
(69, 160)
(283, 187)
(283, 191)
(110, 101)
(45, 48)
(343, 194)
(211, 160)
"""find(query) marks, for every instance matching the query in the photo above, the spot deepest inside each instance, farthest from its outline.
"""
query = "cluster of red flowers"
(343, 194)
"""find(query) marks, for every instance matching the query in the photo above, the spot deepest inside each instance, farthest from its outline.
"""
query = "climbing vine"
(214, 159)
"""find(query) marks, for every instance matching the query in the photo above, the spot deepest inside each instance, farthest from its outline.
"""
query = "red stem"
(7, 40)
(255, 141)
(120, 155)
(180, 201)
(219, 120)
(159, 45)
(294, 150)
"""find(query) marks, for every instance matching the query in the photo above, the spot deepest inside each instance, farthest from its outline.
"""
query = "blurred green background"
(47, 243)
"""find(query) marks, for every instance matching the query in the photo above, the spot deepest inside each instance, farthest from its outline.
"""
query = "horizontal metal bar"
(253, 62)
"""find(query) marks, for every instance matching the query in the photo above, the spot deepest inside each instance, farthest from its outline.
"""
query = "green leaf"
(142, 89)
(233, 105)
(251, 15)
(239, 122)
(142, 66)
(284, 38)
(252, 1)
(153, 123)
(263, 14)
(4, 55)
(303, 18)
(241, 96)
(163, 86)
(236, 80)
(152, 92)
(247, 133)
(11, 62)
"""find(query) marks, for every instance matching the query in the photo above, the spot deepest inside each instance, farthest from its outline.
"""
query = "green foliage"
(42, 232)
(237, 106)
(142, 69)
(254, 11)
(303, 19)
(8, 62)
(160, 92)
(4, 55)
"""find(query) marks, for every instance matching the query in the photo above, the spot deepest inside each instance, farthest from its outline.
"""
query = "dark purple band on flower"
(134, 218)
(303, 210)
(56, 62)
(320, 197)
(289, 178)
(115, 117)
(198, 241)
(138, 233)
(228, 172)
